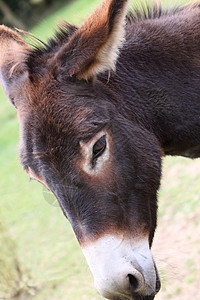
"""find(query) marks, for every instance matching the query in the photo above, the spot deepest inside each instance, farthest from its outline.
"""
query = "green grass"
(52, 264)
(187, 176)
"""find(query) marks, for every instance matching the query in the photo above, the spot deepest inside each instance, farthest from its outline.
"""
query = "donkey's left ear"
(94, 47)
(13, 69)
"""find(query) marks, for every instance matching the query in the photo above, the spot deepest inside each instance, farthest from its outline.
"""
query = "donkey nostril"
(134, 284)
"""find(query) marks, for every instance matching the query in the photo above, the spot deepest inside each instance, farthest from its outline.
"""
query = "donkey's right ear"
(13, 69)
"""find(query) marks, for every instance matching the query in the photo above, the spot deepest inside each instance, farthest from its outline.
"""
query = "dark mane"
(39, 49)
(139, 12)
(64, 32)
(147, 10)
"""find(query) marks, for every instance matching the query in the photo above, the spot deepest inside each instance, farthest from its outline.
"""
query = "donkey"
(98, 107)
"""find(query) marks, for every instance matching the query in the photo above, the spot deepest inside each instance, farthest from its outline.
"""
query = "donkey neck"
(168, 102)
(165, 102)
(174, 114)
(158, 77)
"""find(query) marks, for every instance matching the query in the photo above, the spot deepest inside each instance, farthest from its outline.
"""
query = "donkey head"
(77, 139)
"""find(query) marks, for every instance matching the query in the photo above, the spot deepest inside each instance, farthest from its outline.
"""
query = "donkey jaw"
(121, 267)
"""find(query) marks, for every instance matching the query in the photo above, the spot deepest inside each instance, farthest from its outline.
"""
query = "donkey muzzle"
(122, 268)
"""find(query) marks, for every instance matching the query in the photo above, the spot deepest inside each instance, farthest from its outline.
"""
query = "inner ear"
(94, 47)
(13, 56)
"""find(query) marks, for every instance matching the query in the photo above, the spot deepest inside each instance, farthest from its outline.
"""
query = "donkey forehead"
(62, 108)
(52, 128)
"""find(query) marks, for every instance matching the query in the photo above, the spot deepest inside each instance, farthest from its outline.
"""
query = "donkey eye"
(99, 147)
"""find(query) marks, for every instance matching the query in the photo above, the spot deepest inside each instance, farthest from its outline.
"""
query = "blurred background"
(39, 255)
(27, 13)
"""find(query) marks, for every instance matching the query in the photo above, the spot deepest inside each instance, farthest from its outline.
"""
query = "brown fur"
(149, 107)
(105, 29)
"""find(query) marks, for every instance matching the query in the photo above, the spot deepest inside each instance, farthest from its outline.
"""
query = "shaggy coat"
(98, 107)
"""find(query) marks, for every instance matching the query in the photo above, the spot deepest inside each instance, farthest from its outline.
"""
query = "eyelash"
(99, 147)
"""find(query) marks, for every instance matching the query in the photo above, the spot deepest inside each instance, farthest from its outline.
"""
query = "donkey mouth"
(136, 297)
(143, 298)
(140, 297)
